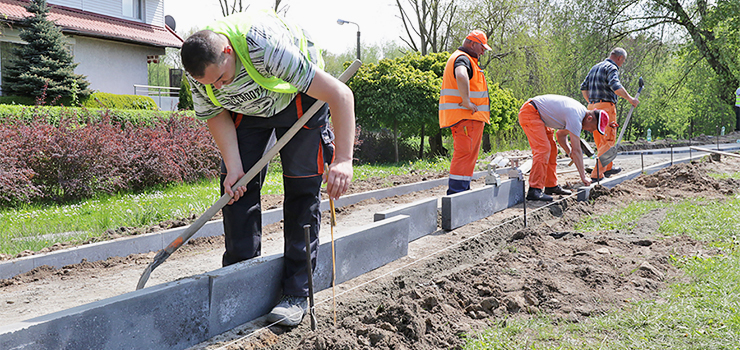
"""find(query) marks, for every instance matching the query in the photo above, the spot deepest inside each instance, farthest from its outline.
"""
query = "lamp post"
(340, 22)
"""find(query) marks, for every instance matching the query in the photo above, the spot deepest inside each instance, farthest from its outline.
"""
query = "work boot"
(557, 190)
(535, 194)
(612, 171)
(289, 311)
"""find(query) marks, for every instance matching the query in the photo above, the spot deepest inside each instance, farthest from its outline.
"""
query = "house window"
(132, 9)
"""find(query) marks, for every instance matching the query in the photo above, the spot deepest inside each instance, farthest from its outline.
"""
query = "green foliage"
(44, 67)
(17, 100)
(185, 101)
(53, 114)
(114, 101)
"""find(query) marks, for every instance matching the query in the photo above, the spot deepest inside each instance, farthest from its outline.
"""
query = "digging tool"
(311, 310)
(608, 156)
(333, 256)
(165, 253)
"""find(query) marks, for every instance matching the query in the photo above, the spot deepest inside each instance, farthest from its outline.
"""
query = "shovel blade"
(608, 156)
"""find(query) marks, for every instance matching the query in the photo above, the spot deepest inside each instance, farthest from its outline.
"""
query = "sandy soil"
(434, 297)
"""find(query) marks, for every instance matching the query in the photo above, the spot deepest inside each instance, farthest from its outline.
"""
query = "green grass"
(701, 313)
(621, 220)
(34, 227)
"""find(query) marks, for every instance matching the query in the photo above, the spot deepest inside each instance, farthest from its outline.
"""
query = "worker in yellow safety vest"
(464, 108)
(737, 109)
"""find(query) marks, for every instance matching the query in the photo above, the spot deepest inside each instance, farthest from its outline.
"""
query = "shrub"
(52, 115)
(17, 100)
(114, 101)
(377, 147)
(71, 160)
(186, 97)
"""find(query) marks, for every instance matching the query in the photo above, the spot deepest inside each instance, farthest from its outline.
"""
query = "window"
(132, 8)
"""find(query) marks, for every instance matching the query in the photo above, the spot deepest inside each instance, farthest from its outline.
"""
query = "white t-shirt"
(561, 112)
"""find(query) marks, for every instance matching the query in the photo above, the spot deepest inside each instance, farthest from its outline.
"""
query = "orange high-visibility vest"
(450, 111)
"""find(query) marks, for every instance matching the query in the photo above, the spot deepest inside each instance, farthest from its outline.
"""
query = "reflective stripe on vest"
(737, 97)
(450, 111)
(237, 26)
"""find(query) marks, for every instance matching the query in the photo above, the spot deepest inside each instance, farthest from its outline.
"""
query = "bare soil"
(492, 271)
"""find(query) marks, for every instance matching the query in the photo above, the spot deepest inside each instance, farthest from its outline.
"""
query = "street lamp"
(340, 22)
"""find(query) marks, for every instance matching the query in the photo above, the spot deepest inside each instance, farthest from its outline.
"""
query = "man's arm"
(342, 105)
(463, 86)
(624, 94)
(585, 95)
(576, 154)
(224, 133)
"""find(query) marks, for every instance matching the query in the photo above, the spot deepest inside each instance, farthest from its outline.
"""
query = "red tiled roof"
(74, 21)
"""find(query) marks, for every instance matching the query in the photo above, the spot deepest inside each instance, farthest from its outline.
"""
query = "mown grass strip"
(701, 313)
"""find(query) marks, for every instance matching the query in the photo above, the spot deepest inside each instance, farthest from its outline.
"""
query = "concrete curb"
(183, 313)
(465, 207)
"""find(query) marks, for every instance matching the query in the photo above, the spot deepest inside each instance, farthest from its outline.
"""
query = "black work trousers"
(303, 159)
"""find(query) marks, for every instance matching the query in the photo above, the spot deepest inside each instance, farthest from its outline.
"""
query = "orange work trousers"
(544, 150)
(606, 141)
(466, 138)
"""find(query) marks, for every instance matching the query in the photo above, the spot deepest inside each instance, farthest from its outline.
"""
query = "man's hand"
(337, 178)
(634, 101)
(586, 180)
(229, 181)
(469, 105)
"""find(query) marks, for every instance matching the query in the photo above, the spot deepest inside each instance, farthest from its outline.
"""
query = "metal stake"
(642, 161)
(306, 235)
(598, 178)
(671, 154)
(525, 204)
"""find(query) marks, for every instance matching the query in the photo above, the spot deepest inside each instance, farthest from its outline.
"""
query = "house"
(112, 40)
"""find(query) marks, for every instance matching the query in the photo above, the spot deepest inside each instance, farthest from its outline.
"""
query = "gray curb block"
(159, 240)
(465, 207)
(183, 313)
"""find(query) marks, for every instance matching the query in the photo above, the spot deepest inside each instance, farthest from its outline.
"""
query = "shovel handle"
(629, 115)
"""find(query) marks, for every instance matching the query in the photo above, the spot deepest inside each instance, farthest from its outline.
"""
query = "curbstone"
(422, 215)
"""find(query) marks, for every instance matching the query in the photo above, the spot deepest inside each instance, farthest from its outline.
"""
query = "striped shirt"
(274, 52)
(601, 82)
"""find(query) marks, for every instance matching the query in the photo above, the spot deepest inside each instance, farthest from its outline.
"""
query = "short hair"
(201, 50)
(618, 52)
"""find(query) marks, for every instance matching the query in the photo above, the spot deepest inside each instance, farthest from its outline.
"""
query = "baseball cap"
(603, 121)
(479, 37)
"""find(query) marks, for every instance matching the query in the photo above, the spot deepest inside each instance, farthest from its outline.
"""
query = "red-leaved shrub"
(78, 159)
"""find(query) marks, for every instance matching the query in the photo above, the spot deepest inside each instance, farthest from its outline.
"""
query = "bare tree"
(429, 24)
(235, 6)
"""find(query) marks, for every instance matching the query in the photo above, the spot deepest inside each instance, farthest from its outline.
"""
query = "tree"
(236, 6)
(429, 25)
(43, 66)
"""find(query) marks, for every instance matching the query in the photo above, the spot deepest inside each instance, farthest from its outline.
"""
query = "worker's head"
(477, 42)
(596, 120)
(618, 55)
(209, 58)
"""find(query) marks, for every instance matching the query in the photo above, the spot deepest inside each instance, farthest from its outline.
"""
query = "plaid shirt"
(601, 82)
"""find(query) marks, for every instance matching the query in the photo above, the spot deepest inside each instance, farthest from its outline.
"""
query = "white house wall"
(153, 9)
(112, 67)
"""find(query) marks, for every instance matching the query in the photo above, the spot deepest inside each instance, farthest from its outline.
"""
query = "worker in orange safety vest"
(464, 108)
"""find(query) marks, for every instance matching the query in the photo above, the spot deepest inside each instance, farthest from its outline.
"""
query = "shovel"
(165, 253)
(608, 156)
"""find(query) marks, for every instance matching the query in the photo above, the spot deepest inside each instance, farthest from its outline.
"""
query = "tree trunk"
(435, 145)
(486, 143)
(421, 145)
(395, 138)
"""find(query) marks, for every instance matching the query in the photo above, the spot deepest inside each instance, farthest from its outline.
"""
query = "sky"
(378, 19)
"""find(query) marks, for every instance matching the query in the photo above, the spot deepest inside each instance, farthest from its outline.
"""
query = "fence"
(165, 97)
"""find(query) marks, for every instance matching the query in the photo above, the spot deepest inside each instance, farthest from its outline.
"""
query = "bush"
(68, 161)
(113, 101)
(52, 115)
(377, 147)
(17, 100)
(186, 97)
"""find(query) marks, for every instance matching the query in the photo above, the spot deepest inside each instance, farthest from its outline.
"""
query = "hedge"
(115, 101)
(53, 114)
(70, 160)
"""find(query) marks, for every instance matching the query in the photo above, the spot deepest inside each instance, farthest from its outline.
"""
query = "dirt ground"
(492, 271)
(455, 283)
